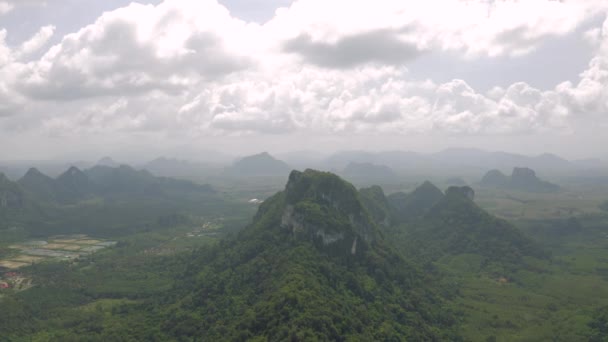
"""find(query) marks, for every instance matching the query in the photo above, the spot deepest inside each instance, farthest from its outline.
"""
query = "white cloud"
(188, 68)
(5, 7)
(141, 48)
(37, 42)
(474, 28)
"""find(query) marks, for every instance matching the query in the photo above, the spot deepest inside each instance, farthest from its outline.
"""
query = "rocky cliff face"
(324, 208)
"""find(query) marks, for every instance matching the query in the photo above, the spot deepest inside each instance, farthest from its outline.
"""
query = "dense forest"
(319, 260)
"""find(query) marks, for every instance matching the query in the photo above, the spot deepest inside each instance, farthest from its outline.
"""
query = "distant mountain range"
(259, 165)
(354, 165)
(100, 199)
(75, 185)
(522, 179)
(369, 173)
(469, 158)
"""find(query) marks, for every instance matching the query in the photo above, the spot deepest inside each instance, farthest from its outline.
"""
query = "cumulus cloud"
(189, 68)
(474, 28)
(140, 48)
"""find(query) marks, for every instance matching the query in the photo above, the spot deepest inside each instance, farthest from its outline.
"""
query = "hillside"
(102, 200)
(311, 266)
(377, 204)
(455, 225)
(73, 185)
(406, 207)
(39, 185)
(11, 194)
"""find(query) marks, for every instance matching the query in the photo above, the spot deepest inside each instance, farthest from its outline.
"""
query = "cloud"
(37, 42)
(188, 68)
(383, 47)
(316, 28)
(8, 5)
(138, 49)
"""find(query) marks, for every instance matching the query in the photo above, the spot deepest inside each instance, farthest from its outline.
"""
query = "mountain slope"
(73, 185)
(311, 266)
(39, 185)
(11, 194)
(377, 205)
(407, 207)
(456, 225)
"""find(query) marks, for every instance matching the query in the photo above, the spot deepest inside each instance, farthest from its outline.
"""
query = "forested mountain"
(311, 266)
(101, 200)
(377, 205)
(41, 186)
(73, 186)
(456, 225)
(406, 207)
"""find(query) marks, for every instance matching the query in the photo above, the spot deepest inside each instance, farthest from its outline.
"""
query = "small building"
(4, 285)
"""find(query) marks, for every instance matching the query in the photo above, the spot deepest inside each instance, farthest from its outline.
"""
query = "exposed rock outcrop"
(322, 207)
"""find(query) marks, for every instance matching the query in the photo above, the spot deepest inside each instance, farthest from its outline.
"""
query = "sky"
(83, 79)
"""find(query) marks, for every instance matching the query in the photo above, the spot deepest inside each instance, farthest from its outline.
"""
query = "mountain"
(392, 159)
(123, 179)
(522, 179)
(500, 160)
(455, 225)
(262, 164)
(377, 205)
(73, 185)
(311, 266)
(410, 206)
(41, 186)
(526, 179)
(126, 181)
(495, 179)
(368, 172)
(11, 194)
